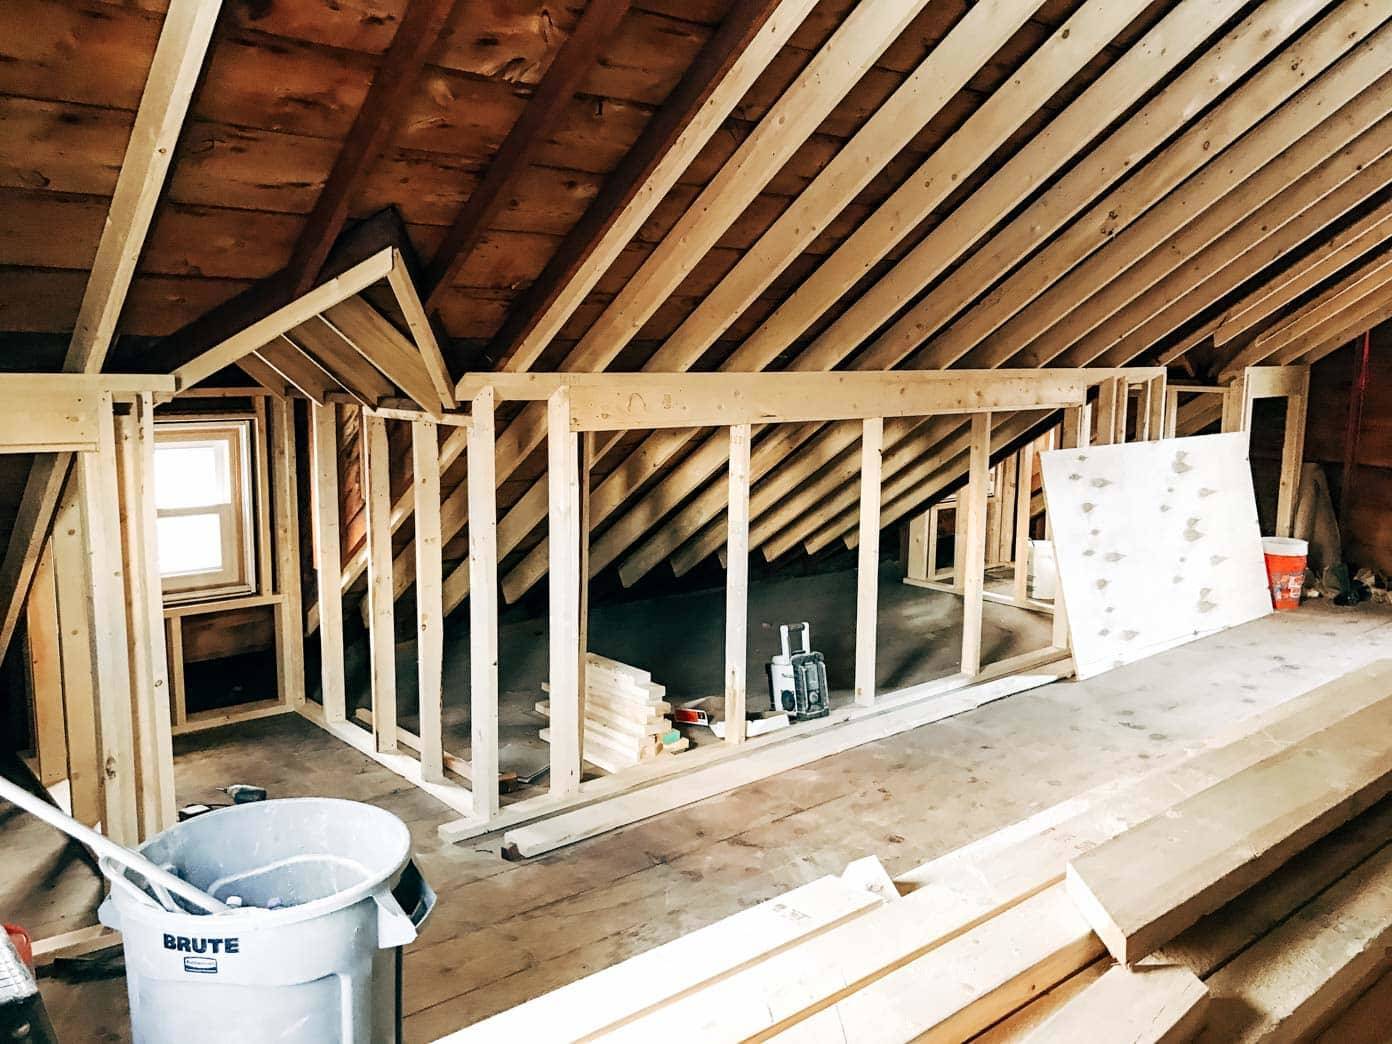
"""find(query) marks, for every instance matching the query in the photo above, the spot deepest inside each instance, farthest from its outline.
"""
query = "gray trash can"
(328, 897)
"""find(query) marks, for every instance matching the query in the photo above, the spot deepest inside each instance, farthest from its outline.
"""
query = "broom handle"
(104, 846)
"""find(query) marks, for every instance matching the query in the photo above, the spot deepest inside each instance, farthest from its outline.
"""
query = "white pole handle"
(103, 845)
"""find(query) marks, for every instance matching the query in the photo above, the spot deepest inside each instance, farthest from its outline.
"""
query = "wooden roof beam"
(377, 119)
(1110, 314)
(1068, 49)
(1167, 44)
(1365, 279)
(1129, 258)
(1324, 213)
(746, 41)
(536, 125)
(1367, 233)
(1245, 198)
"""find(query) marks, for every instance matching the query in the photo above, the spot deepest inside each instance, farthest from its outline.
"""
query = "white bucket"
(312, 954)
(1043, 572)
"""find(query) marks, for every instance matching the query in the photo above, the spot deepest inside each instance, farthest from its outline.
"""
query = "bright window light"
(203, 507)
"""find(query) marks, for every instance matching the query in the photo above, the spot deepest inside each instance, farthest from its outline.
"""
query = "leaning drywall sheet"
(1157, 543)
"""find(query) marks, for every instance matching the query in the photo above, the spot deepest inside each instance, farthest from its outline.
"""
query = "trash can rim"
(259, 917)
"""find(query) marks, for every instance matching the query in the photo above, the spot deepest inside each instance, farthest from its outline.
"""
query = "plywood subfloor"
(506, 932)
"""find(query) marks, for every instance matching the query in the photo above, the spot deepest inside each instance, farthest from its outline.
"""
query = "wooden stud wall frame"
(581, 403)
(96, 644)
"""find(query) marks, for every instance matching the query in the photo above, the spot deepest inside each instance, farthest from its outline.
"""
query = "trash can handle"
(396, 927)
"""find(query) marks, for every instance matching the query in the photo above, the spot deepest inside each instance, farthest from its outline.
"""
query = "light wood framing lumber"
(1164, 1004)
(1213, 846)
(737, 585)
(483, 608)
(564, 596)
(614, 998)
(1058, 269)
(1367, 234)
(381, 630)
(958, 989)
(430, 618)
(1293, 981)
(149, 671)
(86, 780)
(724, 72)
(285, 518)
(43, 655)
(1132, 73)
(328, 556)
(932, 84)
(99, 503)
(868, 563)
(1254, 254)
(286, 318)
(972, 503)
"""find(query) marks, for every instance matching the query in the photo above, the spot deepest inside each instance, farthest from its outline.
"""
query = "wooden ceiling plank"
(1366, 234)
(832, 72)
(377, 120)
(536, 125)
(385, 347)
(747, 40)
(1149, 59)
(359, 378)
(1047, 70)
(169, 85)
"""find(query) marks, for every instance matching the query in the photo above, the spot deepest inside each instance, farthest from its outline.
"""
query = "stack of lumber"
(625, 715)
(1241, 894)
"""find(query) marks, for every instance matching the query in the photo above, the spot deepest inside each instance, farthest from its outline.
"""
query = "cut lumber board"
(1145, 886)
(1223, 934)
(1160, 1004)
(654, 726)
(1017, 1028)
(617, 995)
(1298, 977)
(965, 985)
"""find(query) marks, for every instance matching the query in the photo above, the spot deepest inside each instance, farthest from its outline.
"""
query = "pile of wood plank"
(1241, 894)
(625, 715)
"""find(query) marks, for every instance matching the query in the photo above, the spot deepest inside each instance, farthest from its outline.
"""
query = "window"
(203, 508)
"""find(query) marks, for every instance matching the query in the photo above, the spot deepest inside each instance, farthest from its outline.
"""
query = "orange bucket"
(1285, 570)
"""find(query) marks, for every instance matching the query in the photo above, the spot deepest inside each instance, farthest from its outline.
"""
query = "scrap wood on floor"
(990, 944)
(625, 712)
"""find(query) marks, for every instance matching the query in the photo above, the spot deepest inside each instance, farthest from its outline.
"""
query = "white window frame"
(239, 574)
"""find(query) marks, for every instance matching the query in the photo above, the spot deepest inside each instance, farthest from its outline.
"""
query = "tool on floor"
(798, 681)
(241, 793)
(160, 880)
